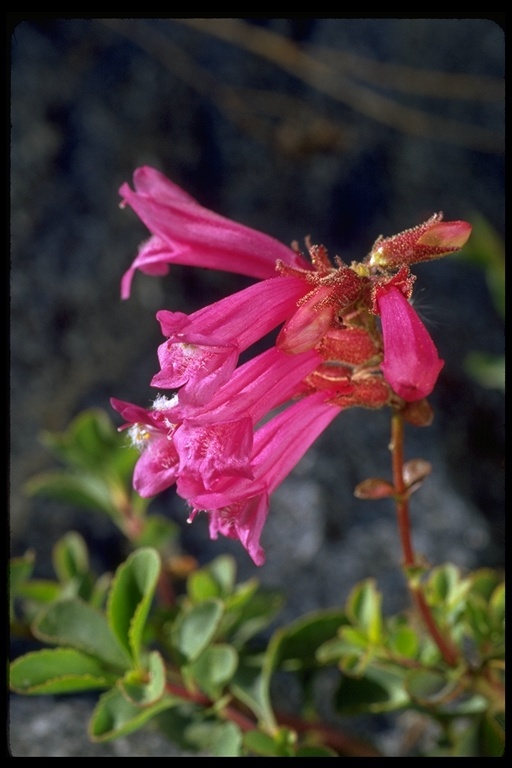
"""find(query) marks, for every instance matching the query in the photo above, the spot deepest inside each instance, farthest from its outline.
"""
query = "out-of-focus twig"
(251, 109)
(330, 80)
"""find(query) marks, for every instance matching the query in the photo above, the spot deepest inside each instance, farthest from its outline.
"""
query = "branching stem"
(396, 447)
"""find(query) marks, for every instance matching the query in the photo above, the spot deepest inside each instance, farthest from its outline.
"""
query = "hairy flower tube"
(348, 337)
(411, 364)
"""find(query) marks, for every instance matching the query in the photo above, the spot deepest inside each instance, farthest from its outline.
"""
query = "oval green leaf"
(193, 630)
(57, 670)
(79, 625)
(130, 599)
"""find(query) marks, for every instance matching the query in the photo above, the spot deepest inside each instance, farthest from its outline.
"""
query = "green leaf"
(217, 579)
(260, 743)
(213, 669)
(100, 590)
(280, 744)
(145, 688)
(90, 441)
(130, 598)
(486, 249)
(77, 624)
(251, 687)
(404, 641)
(58, 670)
(20, 570)
(194, 629)
(81, 489)
(380, 690)
(201, 586)
(364, 609)
(249, 610)
(41, 591)
(115, 716)
(492, 736)
(429, 687)
(298, 644)
(70, 557)
(487, 370)
(218, 739)
(497, 606)
(223, 570)
(483, 582)
(443, 581)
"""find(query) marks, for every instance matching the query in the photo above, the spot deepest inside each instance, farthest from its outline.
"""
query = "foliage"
(187, 648)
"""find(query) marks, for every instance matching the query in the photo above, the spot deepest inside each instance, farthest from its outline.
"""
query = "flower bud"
(430, 240)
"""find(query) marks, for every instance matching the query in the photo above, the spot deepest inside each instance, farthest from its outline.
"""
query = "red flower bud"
(430, 240)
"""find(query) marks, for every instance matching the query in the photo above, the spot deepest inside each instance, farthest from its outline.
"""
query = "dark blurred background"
(342, 129)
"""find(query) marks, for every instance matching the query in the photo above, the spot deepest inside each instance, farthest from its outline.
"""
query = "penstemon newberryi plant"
(183, 647)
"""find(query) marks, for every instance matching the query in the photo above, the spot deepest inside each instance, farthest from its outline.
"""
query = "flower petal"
(411, 364)
(191, 234)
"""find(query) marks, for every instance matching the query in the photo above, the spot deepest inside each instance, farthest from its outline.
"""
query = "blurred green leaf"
(144, 688)
(404, 641)
(91, 441)
(379, 690)
(218, 739)
(298, 644)
(487, 370)
(75, 623)
(70, 557)
(213, 669)
(427, 686)
(81, 489)
(130, 599)
(249, 610)
(115, 716)
(486, 249)
(280, 744)
(251, 687)
(194, 629)
(40, 591)
(20, 570)
(217, 579)
(364, 609)
(58, 670)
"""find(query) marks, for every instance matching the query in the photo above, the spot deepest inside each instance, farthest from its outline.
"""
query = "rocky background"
(342, 129)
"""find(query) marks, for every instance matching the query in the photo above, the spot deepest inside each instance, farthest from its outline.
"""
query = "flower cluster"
(348, 337)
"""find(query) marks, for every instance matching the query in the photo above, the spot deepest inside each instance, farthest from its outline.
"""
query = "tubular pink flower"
(186, 233)
(202, 349)
(152, 432)
(205, 444)
(263, 383)
(411, 364)
(238, 508)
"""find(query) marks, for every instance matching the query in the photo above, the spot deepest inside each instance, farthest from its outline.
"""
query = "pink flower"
(202, 349)
(330, 352)
(238, 508)
(411, 364)
(151, 431)
(186, 233)
(206, 444)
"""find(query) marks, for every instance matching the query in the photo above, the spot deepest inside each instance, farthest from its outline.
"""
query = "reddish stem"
(331, 737)
(396, 447)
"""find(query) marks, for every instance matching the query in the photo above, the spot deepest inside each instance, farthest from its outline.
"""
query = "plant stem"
(396, 446)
